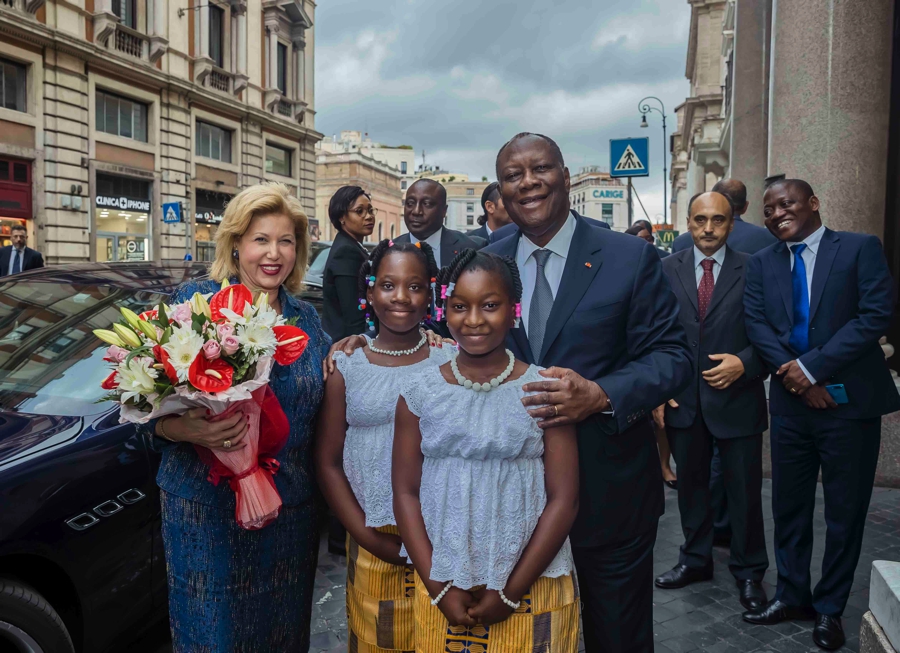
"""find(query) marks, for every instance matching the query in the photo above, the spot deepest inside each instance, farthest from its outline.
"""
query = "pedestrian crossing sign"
(629, 157)
(171, 212)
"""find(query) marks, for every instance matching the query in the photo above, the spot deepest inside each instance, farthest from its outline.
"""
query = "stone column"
(829, 104)
(159, 18)
(241, 40)
(204, 30)
(750, 100)
(272, 33)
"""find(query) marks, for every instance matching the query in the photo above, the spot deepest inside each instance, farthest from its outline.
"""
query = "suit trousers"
(847, 452)
(721, 523)
(741, 469)
(616, 585)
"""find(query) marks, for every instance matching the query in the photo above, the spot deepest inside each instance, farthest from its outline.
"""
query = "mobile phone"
(838, 393)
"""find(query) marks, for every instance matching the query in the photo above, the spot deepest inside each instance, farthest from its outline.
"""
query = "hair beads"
(469, 259)
(369, 269)
(518, 315)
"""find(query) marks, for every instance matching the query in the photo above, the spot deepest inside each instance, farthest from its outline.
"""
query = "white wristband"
(514, 606)
(444, 591)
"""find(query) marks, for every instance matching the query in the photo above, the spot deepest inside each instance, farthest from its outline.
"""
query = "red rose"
(162, 356)
(210, 375)
(110, 383)
(233, 297)
(295, 340)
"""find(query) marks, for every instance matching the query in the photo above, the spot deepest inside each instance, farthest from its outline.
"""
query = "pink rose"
(230, 345)
(181, 313)
(224, 330)
(211, 350)
(115, 354)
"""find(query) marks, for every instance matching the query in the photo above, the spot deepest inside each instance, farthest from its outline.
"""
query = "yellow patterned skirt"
(546, 622)
(380, 599)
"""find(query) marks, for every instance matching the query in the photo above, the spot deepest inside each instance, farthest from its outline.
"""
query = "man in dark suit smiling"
(598, 311)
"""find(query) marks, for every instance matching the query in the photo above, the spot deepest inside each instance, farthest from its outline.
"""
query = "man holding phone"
(816, 304)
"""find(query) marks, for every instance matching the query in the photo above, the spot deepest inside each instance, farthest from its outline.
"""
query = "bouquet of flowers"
(216, 352)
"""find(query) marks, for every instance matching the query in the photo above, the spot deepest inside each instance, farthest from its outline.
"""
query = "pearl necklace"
(402, 352)
(487, 386)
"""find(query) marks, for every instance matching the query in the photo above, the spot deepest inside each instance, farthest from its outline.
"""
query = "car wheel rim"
(23, 642)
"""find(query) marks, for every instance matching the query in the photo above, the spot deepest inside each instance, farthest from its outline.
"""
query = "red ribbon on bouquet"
(250, 470)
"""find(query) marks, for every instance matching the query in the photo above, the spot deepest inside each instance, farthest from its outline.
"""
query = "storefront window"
(209, 207)
(278, 160)
(122, 218)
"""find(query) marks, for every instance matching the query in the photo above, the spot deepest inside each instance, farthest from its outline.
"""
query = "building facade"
(113, 109)
(463, 197)
(380, 180)
(593, 193)
(401, 157)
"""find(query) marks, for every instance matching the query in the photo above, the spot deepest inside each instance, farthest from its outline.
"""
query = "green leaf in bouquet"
(143, 349)
(167, 334)
(198, 321)
(292, 321)
(112, 396)
(170, 390)
(162, 316)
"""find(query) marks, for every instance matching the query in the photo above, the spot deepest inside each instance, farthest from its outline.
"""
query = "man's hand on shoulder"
(565, 398)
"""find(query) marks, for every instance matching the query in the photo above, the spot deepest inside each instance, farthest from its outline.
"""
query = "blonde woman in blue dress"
(355, 437)
(483, 497)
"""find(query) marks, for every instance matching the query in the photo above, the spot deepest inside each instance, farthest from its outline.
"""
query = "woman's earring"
(234, 254)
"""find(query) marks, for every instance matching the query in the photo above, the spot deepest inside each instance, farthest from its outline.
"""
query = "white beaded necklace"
(487, 386)
(402, 352)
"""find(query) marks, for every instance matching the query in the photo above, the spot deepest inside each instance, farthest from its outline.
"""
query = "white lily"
(137, 377)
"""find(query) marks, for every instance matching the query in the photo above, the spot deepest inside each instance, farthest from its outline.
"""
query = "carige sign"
(608, 194)
(123, 203)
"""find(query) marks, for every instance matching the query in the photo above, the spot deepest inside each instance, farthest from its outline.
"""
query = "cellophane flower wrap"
(214, 352)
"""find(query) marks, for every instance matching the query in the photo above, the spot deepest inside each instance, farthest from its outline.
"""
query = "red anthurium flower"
(149, 315)
(162, 356)
(210, 375)
(292, 343)
(110, 383)
(233, 297)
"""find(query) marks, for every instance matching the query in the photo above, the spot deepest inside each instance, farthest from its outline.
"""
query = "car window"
(50, 361)
(318, 259)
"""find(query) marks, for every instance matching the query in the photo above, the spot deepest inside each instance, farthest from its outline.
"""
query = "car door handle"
(108, 508)
(132, 496)
(82, 522)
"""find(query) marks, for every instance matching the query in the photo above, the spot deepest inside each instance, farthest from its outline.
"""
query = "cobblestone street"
(701, 617)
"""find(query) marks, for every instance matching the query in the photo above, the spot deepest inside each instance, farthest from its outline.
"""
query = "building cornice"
(11, 23)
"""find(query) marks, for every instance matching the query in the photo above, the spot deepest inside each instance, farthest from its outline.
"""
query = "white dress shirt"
(487, 228)
(553, 269)
(12, 259)
(812, 243)
(718, 259)
(435, 241)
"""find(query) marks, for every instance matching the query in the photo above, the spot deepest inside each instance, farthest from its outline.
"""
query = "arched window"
(392, 231)
(379, 232)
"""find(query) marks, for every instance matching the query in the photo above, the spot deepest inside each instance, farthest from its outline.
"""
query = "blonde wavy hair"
(262, 199)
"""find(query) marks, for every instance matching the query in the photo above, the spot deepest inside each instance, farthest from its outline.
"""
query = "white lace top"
(482, 489)
(372, 392)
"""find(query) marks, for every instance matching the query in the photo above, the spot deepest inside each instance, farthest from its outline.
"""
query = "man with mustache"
(597, 311)
(816, 304)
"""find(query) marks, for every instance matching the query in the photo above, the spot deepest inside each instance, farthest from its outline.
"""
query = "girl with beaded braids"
(355, 437)
(483, 497)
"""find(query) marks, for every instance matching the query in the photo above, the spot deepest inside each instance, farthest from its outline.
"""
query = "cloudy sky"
(458, 79)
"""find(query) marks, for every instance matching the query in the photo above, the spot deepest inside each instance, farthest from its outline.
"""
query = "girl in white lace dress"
(483, 497)
(355, 436)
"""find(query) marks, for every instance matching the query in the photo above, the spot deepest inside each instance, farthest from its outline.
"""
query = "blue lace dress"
(238, 591)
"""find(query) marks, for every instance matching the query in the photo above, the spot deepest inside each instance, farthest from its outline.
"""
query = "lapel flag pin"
(588, 264)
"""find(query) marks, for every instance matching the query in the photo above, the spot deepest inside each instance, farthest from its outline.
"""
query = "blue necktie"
(800, 331)
(17, 262)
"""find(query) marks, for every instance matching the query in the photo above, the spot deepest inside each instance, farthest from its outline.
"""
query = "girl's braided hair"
(470, 259)
(369, 270)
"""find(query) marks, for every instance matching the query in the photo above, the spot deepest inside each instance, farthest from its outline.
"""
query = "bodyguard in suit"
(597, 311)
(493, 215)
(424, 212)
(17, 257)
(725, 404)
(816, 304)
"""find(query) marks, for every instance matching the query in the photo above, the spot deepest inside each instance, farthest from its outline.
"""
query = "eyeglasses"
(361, 212)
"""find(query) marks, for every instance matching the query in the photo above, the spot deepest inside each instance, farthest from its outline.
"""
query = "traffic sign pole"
(630, 205)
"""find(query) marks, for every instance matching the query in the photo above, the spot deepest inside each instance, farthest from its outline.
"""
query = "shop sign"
(609, 194)
(123, 203)
(208, 217)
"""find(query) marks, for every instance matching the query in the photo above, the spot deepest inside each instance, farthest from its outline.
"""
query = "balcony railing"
(219, 80)
(9, 4)
(131, 42)
(285, 108)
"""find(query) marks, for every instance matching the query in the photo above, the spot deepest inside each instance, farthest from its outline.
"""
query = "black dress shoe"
(828, 633)
(672, 484)
(752, 594)
(682, 576)
(775, 612)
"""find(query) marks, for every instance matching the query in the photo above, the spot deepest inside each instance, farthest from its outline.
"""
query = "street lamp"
(645, 108)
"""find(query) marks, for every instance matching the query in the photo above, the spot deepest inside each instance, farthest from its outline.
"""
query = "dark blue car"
(81, 559)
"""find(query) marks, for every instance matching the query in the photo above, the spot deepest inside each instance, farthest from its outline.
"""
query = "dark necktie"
(17, 262)
(541, 303)
(800, 331)
(706, 287)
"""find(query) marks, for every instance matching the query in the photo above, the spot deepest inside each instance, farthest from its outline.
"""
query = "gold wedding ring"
(794, 390)
(556, 410)
(226, 444)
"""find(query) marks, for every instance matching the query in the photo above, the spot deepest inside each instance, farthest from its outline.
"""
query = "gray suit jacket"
(739, 410)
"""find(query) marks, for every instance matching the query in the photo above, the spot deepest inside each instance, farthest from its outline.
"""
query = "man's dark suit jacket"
(511, 229)
(31, 259)
(481, 232)
(740, 409)
(850, 308)
(341, 316)
(452, 243)
(745, 237)
(615, 322)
